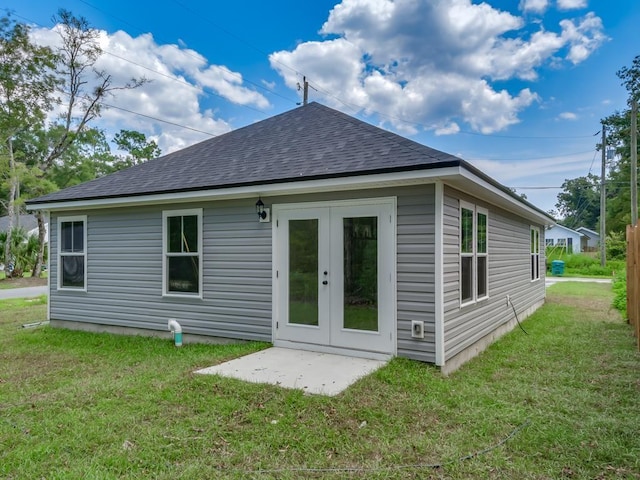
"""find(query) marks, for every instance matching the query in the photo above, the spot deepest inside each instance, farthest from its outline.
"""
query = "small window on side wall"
(182, 247)
(72, 254)
(474, 253)
(535, 253)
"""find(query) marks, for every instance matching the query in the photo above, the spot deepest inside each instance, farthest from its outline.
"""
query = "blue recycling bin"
(557, 268)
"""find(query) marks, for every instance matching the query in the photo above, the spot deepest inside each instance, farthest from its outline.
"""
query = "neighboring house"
(590, 241)
(561, 237)
(28, 222)
(365, 243)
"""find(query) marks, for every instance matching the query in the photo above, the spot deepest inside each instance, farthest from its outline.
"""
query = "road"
(551, 280)
(25, 292)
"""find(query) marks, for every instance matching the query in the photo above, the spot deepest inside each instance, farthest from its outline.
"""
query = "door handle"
(324, 282)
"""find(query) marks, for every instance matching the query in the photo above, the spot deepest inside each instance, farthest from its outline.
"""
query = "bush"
(620, 292)
(616, 245)
(583, 264)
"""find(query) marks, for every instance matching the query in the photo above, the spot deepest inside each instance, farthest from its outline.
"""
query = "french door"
(334, 282)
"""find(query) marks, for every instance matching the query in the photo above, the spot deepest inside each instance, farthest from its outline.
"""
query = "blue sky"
(517, 88)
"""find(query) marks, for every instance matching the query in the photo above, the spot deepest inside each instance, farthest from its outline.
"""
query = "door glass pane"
(303, 272)
(361, 273)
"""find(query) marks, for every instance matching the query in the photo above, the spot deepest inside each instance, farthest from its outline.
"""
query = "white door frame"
(341, 341)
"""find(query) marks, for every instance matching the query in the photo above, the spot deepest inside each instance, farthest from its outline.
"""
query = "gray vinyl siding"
(124, 274)
(416, 272)
(509, 259)
(124, 266)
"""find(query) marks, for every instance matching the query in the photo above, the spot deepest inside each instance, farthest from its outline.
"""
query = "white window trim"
(536, 253)
(485, 212)
(61, 220)
(474, 262)
(178, 213)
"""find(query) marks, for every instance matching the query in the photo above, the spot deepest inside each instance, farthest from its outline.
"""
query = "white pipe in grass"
(175, 327)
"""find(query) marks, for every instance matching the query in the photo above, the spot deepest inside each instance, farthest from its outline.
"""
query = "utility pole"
(634, 161)
(603, 210)
(305, 91)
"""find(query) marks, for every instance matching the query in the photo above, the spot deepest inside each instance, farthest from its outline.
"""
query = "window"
(535, 253)
(474, 253)
(561, 242)
(548, 242)
(182, 246)
(72, 254)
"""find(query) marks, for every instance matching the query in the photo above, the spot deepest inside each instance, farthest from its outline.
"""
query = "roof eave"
(457, 174)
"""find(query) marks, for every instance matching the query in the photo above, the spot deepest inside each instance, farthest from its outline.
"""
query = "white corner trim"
(439, 274)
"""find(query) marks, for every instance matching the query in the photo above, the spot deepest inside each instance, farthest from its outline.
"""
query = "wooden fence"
(633, 279)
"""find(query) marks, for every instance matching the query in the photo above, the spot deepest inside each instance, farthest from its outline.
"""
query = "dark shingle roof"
(306, 143)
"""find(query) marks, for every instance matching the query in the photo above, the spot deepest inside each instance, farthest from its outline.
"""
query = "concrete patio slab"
(312, 372)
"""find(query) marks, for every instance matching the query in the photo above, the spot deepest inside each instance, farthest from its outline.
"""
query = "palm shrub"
(24, 250)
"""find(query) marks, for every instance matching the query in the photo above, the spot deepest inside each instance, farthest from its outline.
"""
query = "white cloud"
(180, 79)
(583, 37)
(536, 6)
(433, 63)
(571, 4)
(568, 116)
(510, 172)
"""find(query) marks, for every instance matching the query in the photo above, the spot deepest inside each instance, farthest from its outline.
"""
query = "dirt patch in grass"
(22, 282)
(593, 306)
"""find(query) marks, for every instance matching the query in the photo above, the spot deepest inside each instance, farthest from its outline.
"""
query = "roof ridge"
(388, 134)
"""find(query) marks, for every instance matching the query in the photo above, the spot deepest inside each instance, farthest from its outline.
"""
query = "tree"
(631, 81)
(76, 68)
(138, 148)
(630, 77)
(26, 93)
(619, 177)
(579, 202)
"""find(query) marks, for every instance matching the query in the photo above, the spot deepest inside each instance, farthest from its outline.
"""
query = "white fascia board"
(357, 182)
(448, 175)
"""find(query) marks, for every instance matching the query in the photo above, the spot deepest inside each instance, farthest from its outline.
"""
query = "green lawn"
(98, 406)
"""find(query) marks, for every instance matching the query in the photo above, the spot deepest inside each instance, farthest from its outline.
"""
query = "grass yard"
(98, 406)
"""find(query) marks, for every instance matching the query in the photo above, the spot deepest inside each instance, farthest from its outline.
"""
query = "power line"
(148, 116)
(170, 77)
(188, 53)
(360, 107)
(183, 82)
